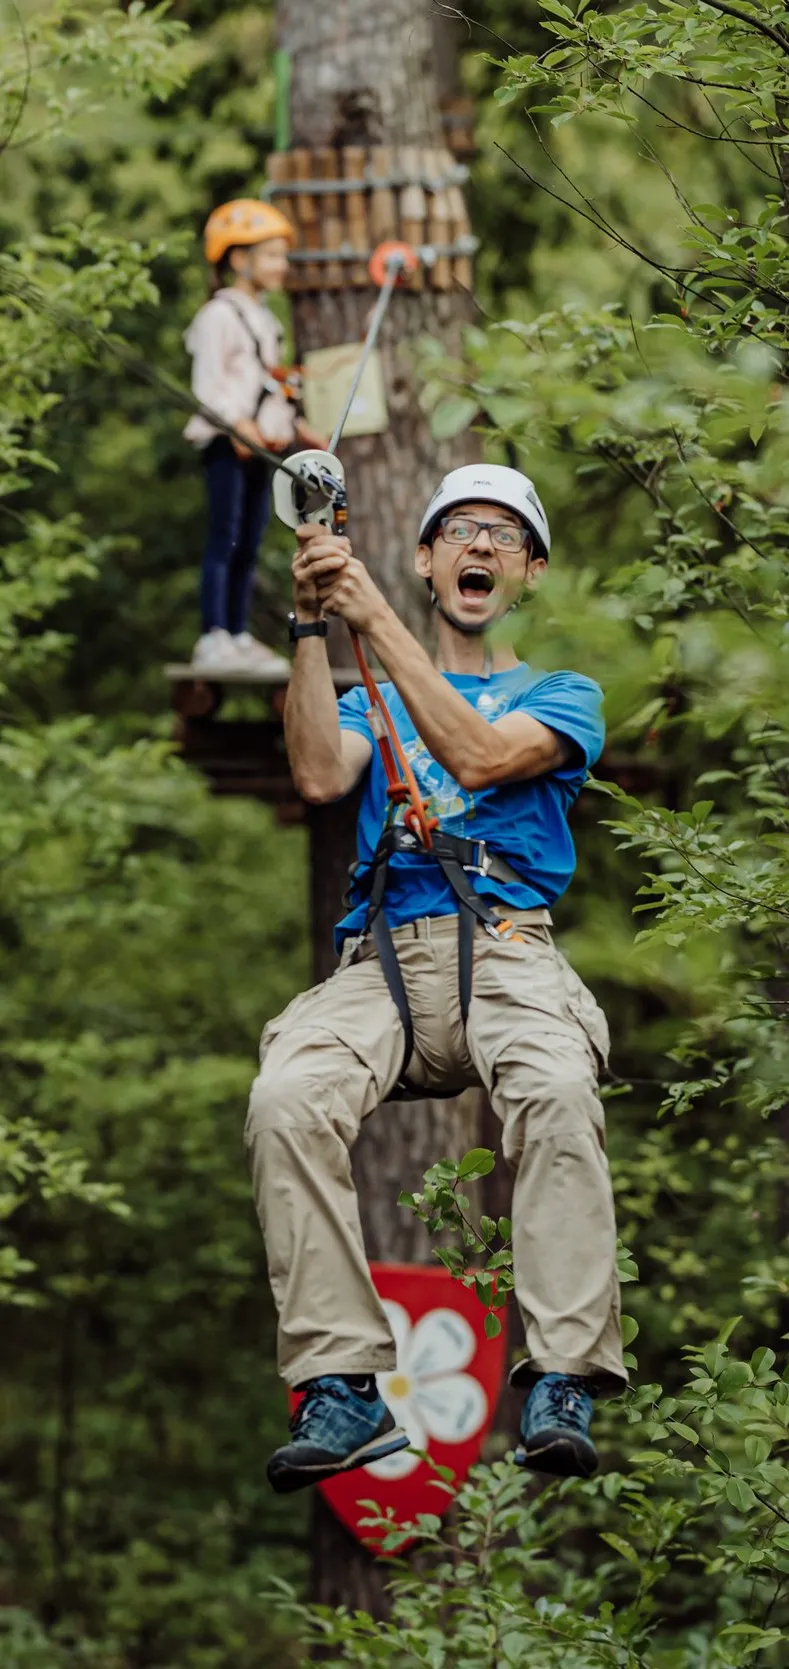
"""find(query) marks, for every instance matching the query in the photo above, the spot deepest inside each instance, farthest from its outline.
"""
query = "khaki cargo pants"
(535, 1039)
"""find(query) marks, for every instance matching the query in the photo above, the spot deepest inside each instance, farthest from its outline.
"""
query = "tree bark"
(365, 76)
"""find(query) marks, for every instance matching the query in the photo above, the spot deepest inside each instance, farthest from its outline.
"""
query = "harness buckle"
(502, 930)
(482, 859)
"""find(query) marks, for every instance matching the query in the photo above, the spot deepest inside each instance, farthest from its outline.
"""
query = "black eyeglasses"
(504, 536)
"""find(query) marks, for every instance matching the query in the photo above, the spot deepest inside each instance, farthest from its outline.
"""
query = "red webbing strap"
(403, 786)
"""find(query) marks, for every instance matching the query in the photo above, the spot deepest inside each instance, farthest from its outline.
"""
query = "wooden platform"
(239, 755)
(247, 755)
(182, 672)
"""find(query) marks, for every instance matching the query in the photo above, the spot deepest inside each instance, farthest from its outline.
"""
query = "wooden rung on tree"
(407, 192)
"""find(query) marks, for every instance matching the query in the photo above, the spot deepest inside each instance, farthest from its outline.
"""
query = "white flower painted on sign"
(429, 1393)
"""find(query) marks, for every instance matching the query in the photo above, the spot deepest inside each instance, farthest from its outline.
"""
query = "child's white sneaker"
(257, 657)
(216, 652)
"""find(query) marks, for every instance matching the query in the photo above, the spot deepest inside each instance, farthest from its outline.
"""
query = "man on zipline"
(448, 978)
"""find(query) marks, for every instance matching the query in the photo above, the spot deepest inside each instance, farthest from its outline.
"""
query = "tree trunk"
(363, 76)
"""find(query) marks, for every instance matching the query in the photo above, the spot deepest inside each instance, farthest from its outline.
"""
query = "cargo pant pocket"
(585, 1009)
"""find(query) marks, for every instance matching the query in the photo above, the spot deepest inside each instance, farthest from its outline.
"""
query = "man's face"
(478, 574)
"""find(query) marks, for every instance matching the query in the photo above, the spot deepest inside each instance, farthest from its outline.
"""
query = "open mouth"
(475, 584)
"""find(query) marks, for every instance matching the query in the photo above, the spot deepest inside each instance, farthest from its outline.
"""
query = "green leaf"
(629, 1329)
(479, 1161)
(492, 1326)
(452, 415)
(620, 1545)
(740, 1494)
(762, 1362)
(685, 1432)
(735, 1375)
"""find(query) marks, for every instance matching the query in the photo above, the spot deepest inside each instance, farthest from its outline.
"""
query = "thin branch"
(710, 502)
(727, 134)
(675, 275)
(724, 138)
(25, 90)
(595, 219)
(445, 10)
(765, 29)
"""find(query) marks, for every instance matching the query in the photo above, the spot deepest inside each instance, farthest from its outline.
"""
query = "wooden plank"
(309, 223)
(181, 672)
(383, 203)
(438, 221)
(413, 208)
(327, 168)
(354, 162)
(240, 756)
(279, 173)
(462, 265)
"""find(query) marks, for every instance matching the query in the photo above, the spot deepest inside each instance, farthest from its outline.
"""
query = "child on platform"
(236, 342)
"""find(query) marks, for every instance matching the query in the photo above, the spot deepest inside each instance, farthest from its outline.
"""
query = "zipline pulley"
(320, 496)
(323, 498)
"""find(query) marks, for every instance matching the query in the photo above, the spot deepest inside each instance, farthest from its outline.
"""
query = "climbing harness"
(16, 284)
(457, 859)
(320, 496)
(310, 486)
(274, 379)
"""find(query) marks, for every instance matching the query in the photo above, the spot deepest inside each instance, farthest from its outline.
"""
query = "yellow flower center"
(399, 1385)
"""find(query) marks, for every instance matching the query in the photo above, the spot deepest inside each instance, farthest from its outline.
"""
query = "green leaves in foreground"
(497, 1584)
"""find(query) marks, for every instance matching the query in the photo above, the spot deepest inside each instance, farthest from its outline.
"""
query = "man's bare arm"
(475, 752)
(325, 761)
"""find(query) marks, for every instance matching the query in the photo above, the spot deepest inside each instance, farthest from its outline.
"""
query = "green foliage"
(146, 932)
(653, 417)
(634, 360)
(652, 412)
(507, 1581)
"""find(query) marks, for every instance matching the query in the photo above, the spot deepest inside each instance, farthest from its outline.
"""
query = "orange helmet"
(247, 220)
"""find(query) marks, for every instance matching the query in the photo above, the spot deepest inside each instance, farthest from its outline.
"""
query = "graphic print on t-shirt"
(524, 821)
(450, 803)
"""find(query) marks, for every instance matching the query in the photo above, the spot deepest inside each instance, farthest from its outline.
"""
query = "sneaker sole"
(284, 1479)
(559, 1456)
(216, 669)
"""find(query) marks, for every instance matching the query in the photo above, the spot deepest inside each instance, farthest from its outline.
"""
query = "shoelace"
(565, 1405)
(304, 1411)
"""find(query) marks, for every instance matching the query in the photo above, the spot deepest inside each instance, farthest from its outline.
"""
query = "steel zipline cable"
(19, 287)
(327, 493)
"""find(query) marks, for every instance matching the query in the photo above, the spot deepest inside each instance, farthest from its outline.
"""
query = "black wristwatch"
(306, 628)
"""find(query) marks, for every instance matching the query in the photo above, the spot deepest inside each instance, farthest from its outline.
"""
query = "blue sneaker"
(555, 1427)
(333, 1429)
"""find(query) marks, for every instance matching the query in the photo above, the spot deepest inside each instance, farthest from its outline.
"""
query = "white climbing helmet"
(496, 484)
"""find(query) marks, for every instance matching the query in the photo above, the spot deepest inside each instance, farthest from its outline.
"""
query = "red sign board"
(444, 1393)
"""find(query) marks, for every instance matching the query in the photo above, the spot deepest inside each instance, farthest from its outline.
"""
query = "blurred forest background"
(630, 188)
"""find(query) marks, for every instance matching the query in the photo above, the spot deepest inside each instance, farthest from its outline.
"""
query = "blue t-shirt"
(524, 822)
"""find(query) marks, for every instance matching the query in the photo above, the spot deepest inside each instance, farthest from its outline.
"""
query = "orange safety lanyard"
(402, 786)
(391, 263)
